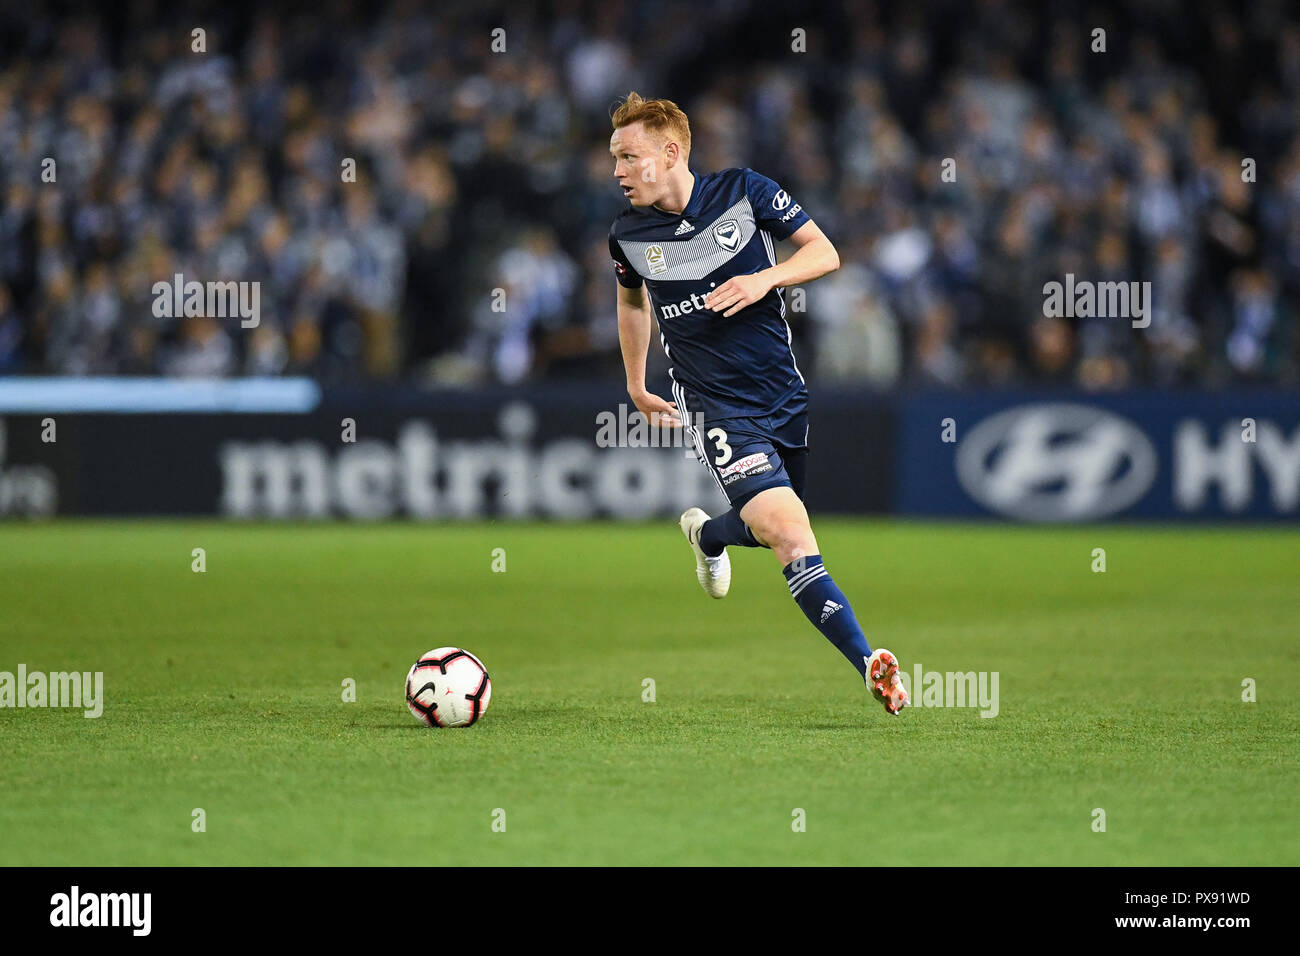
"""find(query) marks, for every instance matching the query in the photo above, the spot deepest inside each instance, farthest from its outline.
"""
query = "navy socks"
(724, 530)
(825, 605)
(819, 597)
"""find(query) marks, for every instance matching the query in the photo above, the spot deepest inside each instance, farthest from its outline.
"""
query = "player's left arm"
(814, 256)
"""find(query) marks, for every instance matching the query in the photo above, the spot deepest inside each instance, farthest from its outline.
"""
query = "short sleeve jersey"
(742, 366)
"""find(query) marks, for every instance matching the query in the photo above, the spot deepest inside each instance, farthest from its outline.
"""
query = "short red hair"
(659, 116)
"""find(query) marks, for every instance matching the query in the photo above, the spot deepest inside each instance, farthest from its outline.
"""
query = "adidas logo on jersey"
(684, 228)
(829, 608)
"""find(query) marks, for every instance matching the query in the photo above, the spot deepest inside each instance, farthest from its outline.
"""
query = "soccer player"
(704, 247)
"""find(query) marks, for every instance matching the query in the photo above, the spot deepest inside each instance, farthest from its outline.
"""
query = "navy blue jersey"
(740, 366)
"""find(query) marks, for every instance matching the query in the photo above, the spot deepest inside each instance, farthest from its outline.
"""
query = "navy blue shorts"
(749, 455)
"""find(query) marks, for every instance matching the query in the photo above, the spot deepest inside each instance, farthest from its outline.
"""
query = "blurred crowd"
(960, 155)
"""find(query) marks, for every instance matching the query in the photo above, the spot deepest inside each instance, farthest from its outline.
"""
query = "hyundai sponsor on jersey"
(1091, 458)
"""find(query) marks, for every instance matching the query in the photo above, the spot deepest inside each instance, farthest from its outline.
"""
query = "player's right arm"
(635, 320)
(634, 325)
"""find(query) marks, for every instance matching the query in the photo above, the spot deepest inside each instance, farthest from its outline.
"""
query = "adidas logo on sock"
(829, 608)
(684, 228)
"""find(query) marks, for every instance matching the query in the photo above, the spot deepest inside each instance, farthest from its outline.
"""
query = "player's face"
(638, 164)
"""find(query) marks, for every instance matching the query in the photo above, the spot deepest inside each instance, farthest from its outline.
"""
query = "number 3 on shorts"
(719, 438)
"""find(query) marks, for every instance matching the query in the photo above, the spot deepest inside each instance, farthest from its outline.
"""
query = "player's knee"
(790, 539)
(778, 520)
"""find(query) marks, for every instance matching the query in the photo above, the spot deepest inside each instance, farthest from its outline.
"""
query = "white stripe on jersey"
(679, 393)
(671, 377)
(789, 342)
(780, 295)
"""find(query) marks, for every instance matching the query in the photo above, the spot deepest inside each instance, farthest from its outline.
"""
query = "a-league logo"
(654, 259)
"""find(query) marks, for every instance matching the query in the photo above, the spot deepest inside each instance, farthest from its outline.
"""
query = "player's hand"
(661, 414)
(736, 293)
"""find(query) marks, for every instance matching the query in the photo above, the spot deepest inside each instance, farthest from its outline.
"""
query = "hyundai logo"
(1056, 462)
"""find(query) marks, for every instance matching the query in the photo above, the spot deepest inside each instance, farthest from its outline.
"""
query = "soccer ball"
(448, 687)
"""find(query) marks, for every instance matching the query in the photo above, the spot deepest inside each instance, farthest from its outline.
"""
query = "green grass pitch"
(1119, 690)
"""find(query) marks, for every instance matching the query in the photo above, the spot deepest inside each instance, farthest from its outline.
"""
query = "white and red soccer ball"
(448, 687)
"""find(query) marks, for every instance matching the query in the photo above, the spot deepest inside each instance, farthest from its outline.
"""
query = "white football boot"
(714, 574)
(884, 682)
